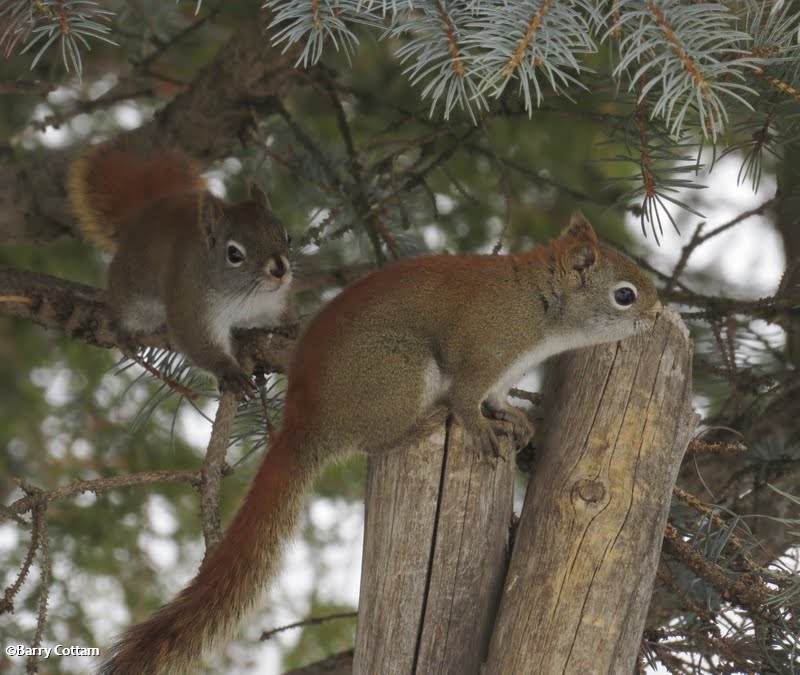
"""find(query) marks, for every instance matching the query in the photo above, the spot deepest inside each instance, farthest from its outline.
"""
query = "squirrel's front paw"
(484, 438)
(514, 420)
(238, 383)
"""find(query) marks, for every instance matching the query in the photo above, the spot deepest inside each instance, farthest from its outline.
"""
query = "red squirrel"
(182, 258)
(457, 330)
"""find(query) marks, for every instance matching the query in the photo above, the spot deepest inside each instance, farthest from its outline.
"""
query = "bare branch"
(748, 590)
(205, 120)
(45, 565)
(98, 486)
(699, 238)
(213, 468)
(702, 447)
(42, 87)
(311, 621)
(80, 311)
(7, 603)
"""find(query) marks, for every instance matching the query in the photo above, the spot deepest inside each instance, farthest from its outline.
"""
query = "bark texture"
(81, 312)
(206, 120)
(435, 549)
(618, 418)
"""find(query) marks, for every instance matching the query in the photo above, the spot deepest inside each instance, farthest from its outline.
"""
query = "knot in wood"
(591, 491)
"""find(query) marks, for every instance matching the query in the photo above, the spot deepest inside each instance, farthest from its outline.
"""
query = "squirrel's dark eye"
(624, 296)
(235, 254)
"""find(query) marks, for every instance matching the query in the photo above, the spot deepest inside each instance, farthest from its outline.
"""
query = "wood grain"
(618, 420)
(435, 554)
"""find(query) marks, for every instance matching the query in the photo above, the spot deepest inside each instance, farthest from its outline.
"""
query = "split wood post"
(435, 554)
(618, 419)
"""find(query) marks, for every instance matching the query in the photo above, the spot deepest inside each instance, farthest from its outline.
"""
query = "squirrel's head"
(249, 246)
(605, 296)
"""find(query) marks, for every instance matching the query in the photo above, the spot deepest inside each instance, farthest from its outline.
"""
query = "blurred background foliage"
(361, 174)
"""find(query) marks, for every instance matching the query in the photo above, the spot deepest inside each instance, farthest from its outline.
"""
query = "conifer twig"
(214, 466)
(312, 621)
(97, 486)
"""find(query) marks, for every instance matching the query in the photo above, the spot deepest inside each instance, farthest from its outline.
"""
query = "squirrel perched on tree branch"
(452, 330)
(182, 258)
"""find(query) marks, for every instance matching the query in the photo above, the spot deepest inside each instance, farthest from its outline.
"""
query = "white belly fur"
(435, 386)
(259, 311)
(517, 370)
(144, 315)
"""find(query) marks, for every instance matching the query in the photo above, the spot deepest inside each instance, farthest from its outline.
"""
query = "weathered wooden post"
(435, 552)
(618, 420)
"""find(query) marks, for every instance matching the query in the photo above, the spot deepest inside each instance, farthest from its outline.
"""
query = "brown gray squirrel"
(182, 258)
(457, 331)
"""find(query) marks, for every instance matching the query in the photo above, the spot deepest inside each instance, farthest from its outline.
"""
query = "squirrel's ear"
(580, 256)
(259, 197)
(577, 244)
(580, 228)
(211, 216)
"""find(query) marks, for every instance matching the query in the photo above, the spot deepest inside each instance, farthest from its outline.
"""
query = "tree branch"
(699, 238)
(205, 121)
(213, 468)
(24, 504)
(81, 312)
(311, 621)
(747, 590)
(7, 602)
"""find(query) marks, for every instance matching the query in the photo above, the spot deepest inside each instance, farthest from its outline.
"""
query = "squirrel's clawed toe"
(489, 443)
(484, 437)
(238, 383)
(510, 421)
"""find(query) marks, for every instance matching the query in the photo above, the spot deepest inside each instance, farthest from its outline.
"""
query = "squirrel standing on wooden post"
(457, 330)
(182, 258)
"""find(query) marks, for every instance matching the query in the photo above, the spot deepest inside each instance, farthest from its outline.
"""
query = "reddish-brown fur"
(228, 582)
(170, 239)
(109, 185)
(358, 380)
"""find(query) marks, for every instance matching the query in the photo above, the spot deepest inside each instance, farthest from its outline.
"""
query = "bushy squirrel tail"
(108, 185)
(230, 580)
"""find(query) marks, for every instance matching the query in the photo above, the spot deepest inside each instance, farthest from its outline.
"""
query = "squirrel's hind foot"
(237, 382)
(510, 421)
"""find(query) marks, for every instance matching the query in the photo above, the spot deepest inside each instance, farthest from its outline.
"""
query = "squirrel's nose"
(277, 266)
